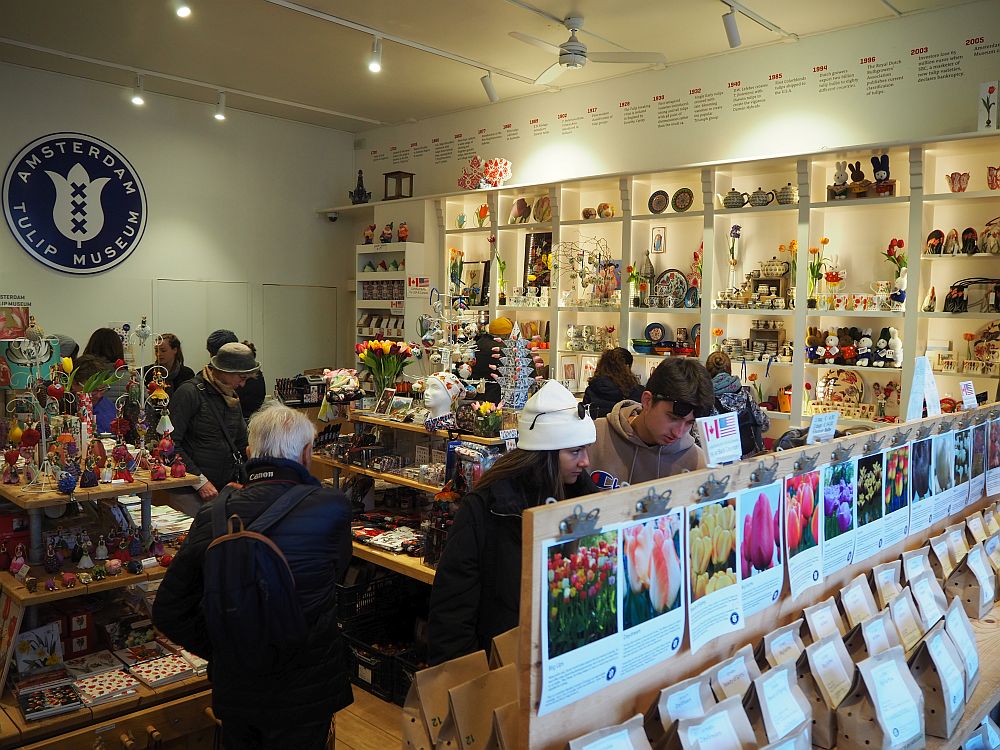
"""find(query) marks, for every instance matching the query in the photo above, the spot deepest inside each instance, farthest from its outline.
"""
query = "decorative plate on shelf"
(695, 332)
(841, 386)
(658, 202)
(655, 332)
(691, 299)
(673, 286)
(682, 200)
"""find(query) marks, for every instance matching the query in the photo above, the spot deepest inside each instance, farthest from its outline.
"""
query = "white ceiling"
(286, 57)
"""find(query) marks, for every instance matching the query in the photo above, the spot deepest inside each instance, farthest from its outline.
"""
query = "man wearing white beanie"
(477, 587)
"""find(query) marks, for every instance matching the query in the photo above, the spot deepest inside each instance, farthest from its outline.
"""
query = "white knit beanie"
(551, 421)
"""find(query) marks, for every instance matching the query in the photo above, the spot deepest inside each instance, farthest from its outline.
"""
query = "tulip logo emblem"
(74, 203)
(77, 211)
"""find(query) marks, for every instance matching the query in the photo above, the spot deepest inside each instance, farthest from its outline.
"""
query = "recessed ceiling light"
(137, 92)
(220, 106)
(375, 59)
(183, 10)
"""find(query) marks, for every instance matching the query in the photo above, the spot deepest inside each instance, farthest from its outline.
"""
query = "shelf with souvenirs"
(882, 625)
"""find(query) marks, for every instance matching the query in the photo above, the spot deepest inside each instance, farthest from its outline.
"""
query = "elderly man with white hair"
(293, 706)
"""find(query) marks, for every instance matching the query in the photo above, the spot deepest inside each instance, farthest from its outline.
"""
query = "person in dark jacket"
(732, 395)
(613, 382)
(207, 417)
(477, 587)
(254, 391)
(170, 356)
(294, 706)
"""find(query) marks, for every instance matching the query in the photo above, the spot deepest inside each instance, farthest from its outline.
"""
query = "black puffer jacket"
(602, 395)
(316, 540)
(477, 586)
(197, 434)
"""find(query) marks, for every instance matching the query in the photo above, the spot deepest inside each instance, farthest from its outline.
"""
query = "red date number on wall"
(624, 104)
(506, 126)
(866, 60)
(692, 92)
(482, 130)
(735, 84)
(457, 136)
(775, 77)
(918, 51)
(976, 40)
(561, 116)
(820, 68)
(435, 140)
(591, 110)
(533, 121)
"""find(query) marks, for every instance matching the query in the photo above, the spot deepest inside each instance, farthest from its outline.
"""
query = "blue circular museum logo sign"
(74, 203)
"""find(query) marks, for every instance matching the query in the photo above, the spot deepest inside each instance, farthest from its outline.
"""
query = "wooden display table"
(404, 564)
(339, 466)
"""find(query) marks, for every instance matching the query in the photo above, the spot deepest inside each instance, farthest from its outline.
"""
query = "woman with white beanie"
(477, 587)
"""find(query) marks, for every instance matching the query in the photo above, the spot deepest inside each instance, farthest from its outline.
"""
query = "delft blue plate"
(655, 332)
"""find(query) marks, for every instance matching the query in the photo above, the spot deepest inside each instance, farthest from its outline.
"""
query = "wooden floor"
(370, 723)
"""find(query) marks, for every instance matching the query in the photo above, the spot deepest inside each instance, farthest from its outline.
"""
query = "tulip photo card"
(839, 515)
(977, 472)
(802, 531)
(715, 599)
(653, 615)
(942, 475)
(993, 461)
(581, 644)
(758, 526)
(896, 495)
(961, 471)
(922, 503)
(870, 507)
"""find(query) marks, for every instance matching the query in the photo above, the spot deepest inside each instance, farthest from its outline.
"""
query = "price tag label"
(822, 427)
(721, 438)
(396, 304)
(509, 438)
(968, 395)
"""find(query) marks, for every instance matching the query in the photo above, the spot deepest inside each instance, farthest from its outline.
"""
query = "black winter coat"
(315, 538)
(602, 395)
(477, 587)
(195, 411)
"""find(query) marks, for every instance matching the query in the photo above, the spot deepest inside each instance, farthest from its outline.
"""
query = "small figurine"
(359, 195)
(51, 562)
(865, 348)
(403, 233)
(107, 473)
(95, 448)
(177, 469)
(883, 185)
(157, 471)
(18, 562)
(369, 234)
(895, 349)
(10, 474)
(930, 301)
(101, 553)
(50, 584)
(69, 580)
(165, 560)
(122, 553)
(31, 583)
(135, 545)
(66, 482)
(4, 557)
(100, 573)
(120, 453)
(165, 448)
(88, 477)
(156, 546)
(114, 567)
(386, 235)
(858, 182)
(122, 472)
(86, 561)
(134, 567)
(76, 553)
(85, 578)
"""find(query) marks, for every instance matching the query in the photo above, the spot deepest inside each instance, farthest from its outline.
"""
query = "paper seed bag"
(725, 726)
(992, 549)
(886, 692)
(886, 578)
(751, 704)
(958, 543)
(825, 673)
(940, 560)
(879, 633)
(784, 645)
(974, 583)
(629, 731)
(734, 675)
(688, 699)
(857, 600)
(930, 599)
(506, 720)
(959, 629)
(503, 650)
(823, 619)
(426, 706)
(469, 722)
(797, 740)
(937, 669)
(976, 526)
(784, 706)
(906, 619)
(989, 516)
(915, 562)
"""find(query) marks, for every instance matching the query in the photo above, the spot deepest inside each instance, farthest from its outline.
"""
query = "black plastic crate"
(372, 668)
(407, 664)
(372, 597)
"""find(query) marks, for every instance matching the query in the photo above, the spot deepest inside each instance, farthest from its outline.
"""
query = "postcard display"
(704, 587)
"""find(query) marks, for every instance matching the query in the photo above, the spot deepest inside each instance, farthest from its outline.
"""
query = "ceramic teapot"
(787, 195)
(761, 198)
(735, 199)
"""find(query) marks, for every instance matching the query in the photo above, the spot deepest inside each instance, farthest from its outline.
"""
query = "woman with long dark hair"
(613, 382)
(170, 356)
(477, 587)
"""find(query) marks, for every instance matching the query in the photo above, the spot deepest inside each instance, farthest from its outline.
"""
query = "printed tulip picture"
(978, 450)
(838, 499)
(712, 557)
(583, 598)
(920, 470)
(802, 512)
(942, 477)
(870, 504)
(994, 443)
(652, 567)
(963, 456)
(761, 527)
(896, 480)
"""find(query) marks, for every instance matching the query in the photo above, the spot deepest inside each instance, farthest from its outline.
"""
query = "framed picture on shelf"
(569, 368)
(385, 401)
(538, 259)
(658, 240)
(587, 367)
(476, 282)
(399, 407)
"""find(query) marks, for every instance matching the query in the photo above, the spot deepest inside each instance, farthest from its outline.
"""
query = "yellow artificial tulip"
(67, 365)
(14, 433)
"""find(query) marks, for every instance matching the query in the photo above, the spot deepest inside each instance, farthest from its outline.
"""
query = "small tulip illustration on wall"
(988, 99)
(988, 103)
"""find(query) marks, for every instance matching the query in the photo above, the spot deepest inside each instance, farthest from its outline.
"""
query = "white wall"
(230, 201)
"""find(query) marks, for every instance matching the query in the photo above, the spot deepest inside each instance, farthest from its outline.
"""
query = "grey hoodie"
(620, 456)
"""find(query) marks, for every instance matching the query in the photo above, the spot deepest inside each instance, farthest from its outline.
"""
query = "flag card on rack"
(720, 435)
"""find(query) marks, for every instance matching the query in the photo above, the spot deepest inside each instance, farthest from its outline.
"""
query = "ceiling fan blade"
(549, 74)
(626, 57)
(536, 42)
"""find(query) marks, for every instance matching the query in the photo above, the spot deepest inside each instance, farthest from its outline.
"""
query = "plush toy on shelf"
(865, 348)
(832, 349)
(895, 349)
(899, 295)
(881, 349)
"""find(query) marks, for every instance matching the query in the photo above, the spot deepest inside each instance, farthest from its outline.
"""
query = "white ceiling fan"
(573, 53)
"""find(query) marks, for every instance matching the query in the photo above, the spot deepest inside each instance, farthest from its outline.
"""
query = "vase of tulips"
(384, 359)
